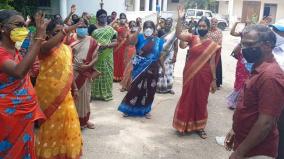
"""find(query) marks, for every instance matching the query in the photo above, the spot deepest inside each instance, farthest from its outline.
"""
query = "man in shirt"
(255, 134)
(278, 52)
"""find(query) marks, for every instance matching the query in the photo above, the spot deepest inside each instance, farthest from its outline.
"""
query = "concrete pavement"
(116, 137)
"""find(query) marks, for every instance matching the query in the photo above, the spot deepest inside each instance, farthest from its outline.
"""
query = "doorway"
(270, 10)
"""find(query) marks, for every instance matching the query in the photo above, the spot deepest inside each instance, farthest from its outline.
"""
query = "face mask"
(134, 29)
(19, 34)
(279, 40)
(82, 32)
(252, 54)
(102, 20)
(202, 32)
(249, 67)
(148, 32)
(122, 21)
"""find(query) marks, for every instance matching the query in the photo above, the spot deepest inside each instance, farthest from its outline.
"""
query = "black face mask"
(252, 54)
(202, 32)
(102, 20)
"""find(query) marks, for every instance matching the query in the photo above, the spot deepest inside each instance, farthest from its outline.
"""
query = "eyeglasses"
(20, 24)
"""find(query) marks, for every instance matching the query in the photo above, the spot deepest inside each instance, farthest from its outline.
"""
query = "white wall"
(223, 8)
(280, 8)
(92, 6)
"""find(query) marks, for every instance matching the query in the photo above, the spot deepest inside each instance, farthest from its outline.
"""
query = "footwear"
(90, 125)
(125, 115)
(172, 92)
(202, 134)
(148, 116)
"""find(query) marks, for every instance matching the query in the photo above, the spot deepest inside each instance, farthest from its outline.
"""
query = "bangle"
(39, 38)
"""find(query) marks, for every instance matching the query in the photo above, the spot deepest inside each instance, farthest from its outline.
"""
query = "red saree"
(19, 109)
(191, 111)
(119, 51)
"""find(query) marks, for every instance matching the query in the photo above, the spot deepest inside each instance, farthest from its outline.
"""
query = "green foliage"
(4, 4)
(199, 4)
(26, 7)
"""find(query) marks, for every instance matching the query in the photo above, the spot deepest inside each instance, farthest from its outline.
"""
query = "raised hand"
(181, 11)
(73, 9)
(41, 24)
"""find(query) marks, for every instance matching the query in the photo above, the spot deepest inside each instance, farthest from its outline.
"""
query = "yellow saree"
(60, 135)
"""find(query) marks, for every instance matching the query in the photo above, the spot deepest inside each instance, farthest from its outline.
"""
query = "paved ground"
(116, 137)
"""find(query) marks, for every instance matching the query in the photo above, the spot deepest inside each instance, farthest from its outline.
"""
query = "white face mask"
(134, 29)
(279, 40)
(148, 32)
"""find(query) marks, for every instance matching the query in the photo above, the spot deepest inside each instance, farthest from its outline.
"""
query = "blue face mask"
(82, 32)
(249, 67)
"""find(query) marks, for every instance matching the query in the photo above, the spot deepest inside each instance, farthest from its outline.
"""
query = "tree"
(199, 4)
(26, 7)
(5, 4)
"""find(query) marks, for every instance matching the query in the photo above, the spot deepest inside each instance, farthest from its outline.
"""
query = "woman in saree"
(199, 77)
(241, 75)
(19, 107)
(60, 135)
(106, 36)
(216, 35)
(128, 55)
(84, 57)
(138, 101)
(119, 50)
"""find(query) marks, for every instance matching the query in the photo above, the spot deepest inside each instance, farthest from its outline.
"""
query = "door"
(251, 10)
(270, 10)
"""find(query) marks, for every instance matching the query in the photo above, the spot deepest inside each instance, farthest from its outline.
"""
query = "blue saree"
(138, 101)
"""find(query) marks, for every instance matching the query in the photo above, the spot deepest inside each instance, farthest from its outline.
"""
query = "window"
(44, 3)
(190, 13)
(199, 13)
(208, 14)
(175, 1)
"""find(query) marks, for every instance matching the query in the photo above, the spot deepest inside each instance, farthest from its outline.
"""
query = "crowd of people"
(50, 70)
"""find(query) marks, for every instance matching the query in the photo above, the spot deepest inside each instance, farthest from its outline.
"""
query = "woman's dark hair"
(91, 29)
(132, 21)
(5, 15)
(206, 20)
(151, 23)
(122, 15)
(100, 12)
(32, 23)
(52, 24)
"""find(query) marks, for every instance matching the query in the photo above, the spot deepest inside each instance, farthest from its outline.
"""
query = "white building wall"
(280, 8)
(92, 6)
(223, 8)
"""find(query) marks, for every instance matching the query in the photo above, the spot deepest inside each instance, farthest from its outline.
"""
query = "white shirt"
(278, 53)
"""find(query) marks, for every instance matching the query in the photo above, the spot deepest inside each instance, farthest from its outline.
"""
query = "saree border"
(58, 100)
(198, 64)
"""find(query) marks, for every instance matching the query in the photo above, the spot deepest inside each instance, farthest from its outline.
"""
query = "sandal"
(90, 125)
(148, 116)
(202, 134)
(125, 115)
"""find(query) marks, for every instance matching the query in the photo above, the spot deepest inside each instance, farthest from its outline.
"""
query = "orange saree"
(60, 135)
(191, 111)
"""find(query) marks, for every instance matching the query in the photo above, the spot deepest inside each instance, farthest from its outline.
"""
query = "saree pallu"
(83, 52)
(191, 111)
(119, 53)
(126, 81)
(102, 86)
(138, 101)
(18, 111)
(60, 135)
